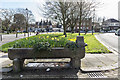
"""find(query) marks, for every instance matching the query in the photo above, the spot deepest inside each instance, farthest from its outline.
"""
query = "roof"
(112, 20)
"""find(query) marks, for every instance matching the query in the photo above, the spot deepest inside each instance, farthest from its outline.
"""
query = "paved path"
(91, 62)
(11, 37)
(98, 62)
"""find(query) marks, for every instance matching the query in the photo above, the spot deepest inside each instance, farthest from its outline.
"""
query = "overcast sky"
(107, 8)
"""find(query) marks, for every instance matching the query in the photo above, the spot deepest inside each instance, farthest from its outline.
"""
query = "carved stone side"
(75, 63)
(16, 65)
(22, 63)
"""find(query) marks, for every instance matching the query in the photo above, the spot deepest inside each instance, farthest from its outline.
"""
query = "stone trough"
(18, 55)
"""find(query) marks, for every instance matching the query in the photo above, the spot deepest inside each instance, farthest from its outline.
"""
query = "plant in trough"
(71, 45)
(41, 46)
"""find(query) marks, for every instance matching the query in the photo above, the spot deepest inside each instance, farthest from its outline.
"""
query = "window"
(117, 24)
(83, 23)
(87, 23)
(111, 24)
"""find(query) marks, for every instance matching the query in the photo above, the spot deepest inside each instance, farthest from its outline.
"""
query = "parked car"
(19, 31)
(37, 30)
(61, 30)
(24, 31)
(43, 29)
(112, 31)
(91, 31)
(117, 32)
(56, 29)
(82, 31)
(102, 31)
(50, 29)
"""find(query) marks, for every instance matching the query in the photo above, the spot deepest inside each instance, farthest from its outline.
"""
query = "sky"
(106, 8)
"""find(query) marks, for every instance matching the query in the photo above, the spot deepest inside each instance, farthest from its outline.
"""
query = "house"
(110, 24)
(85, 25)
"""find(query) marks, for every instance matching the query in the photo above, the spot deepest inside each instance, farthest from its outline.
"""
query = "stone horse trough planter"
(18, 55)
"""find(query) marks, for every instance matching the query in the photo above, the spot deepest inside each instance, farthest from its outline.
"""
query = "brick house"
(86, 25)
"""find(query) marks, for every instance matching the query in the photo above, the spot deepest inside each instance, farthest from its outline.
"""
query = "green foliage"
(19, 20)
(71, 45)
(41, 46)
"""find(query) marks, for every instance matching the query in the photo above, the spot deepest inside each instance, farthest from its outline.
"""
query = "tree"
(69, 13)
(50, 23)
(85, 10)
(73, 17)
(7, 15)
(19, 20)
(5, 25)
(59, 12)
(28, 15)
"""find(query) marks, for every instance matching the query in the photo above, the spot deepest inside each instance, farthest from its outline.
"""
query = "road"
(111, 40)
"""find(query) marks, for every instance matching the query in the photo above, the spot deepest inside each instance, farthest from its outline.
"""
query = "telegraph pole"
(93, 20)
(27, 22)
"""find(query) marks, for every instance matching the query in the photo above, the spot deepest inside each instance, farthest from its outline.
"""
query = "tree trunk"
(80, 20)
(64, 26)
(7, 30)
(72, 29)
(65, 31)
(79, 27)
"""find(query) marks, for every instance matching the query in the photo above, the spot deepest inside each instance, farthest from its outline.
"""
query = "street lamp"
(27, 22)
(93, 20)
(1, 28)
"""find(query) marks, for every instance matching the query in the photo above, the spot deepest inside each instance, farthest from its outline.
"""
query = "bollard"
(16, 35)
(28, 34)
(24, 34)
(1, 37)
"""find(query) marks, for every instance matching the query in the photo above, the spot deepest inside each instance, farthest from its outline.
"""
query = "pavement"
(91, 62)
(12, 37)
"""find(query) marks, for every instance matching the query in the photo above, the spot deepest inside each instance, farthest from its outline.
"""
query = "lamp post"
(1, 28)
(27, 22)
(93, 20)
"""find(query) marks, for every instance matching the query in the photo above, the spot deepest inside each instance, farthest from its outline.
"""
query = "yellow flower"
(57, 39)
(39, 36)
(26, 38)
(47, 36)
(72, 40)
(63, 36)
(52, 38)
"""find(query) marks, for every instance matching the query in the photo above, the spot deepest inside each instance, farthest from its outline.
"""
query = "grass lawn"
(58, 40)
